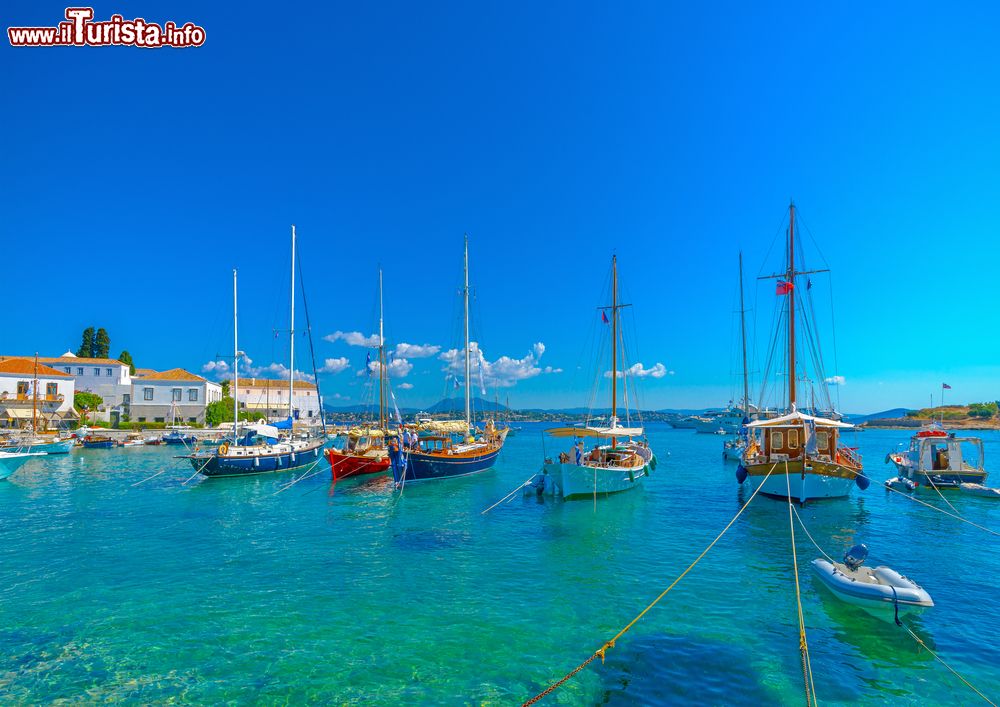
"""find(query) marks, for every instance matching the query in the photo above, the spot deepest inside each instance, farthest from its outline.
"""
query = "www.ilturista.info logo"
(81, 31)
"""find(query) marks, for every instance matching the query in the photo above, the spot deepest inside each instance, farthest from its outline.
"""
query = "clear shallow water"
(221, 591)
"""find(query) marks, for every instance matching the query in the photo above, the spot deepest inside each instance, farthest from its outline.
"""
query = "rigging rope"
(600, 652)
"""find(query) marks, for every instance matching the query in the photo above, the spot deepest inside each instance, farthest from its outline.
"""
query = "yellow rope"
(954, 672)
(600, 652)
(807, 676)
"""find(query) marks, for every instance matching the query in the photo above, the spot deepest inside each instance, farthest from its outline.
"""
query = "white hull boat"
(801, 487)
(12, 461)
(880, 591)
(574, 481)
(980, 490)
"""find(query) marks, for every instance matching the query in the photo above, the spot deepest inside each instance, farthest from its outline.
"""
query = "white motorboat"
(880, 591)
(980, 490)
(12, 461)
(900, 483)
(938, 458)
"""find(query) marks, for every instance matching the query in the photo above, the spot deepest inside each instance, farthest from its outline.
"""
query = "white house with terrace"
(49, 405)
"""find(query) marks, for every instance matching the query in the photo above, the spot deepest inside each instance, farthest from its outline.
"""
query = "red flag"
(604, 316)
(784, 287)
(945, 386)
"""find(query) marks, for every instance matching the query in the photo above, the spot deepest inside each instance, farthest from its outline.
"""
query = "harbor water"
(226, 591)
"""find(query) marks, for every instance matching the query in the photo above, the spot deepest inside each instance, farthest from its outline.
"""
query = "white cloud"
(337, 396)
(406, 386)
(502, 373)
(335, 365)
(835, 380)
(353, 338)
(397, 368)
(639, 371)
(404, 350)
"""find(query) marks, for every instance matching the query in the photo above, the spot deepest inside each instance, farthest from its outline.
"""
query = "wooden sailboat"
(262, 448)
(801, 452)
(34, 440)
(439, 456)
(366, 451)
(608, 468)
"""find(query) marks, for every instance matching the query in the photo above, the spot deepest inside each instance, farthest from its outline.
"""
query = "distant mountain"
(457, 405)
(894, 413)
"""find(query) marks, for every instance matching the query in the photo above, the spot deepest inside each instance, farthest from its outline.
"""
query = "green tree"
(86, 349)
(84, 401)
(222, 411)
(225, 389)
(102, 343)
(126, 357)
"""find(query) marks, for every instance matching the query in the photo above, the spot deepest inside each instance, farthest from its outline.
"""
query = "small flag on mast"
(945, 386)
(368, 364)
(784, 287)
(604, 316)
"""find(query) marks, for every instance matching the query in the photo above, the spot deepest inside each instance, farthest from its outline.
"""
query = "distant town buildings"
(270, 398)
(174, 396)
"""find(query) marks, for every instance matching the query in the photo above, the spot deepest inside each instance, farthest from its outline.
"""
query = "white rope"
(822, 552)
(509, 495)
(305, 475)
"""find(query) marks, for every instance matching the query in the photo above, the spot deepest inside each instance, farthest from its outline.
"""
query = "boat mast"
(743, 336)
(468, 363)
(34, 399)
(236, 364)
(383, 407)
(614, 344)
(291, 336)
(790, 278)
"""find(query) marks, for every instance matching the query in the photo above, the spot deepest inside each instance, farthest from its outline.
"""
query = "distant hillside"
(452, 405)
(890, 414)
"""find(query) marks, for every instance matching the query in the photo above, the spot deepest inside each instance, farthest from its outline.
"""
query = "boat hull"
(222, 465)
(61, 447)
(820, 480)
(420, 466)
(878, 599)
(942, 479)
(102, 444)
(573, 481)
(11, 462)
(343, 466)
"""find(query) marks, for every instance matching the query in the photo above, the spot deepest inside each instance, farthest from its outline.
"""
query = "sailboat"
(797, 455)
(733, 448)
(366, 451)
(262, 448)
(439, 455)
(32, 441)
(622, 464)
(176, 436)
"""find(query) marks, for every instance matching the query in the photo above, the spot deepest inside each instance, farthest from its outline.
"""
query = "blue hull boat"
(257, 459)
(178, 438)
(422, 466)
(103, 443)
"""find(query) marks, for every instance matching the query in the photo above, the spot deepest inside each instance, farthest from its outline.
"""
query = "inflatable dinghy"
(980, 490)
(900, 483)
(879, 591)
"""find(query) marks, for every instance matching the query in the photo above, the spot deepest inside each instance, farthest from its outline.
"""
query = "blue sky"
(134, 180)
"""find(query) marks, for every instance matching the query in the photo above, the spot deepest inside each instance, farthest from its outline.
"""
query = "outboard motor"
(856, 556)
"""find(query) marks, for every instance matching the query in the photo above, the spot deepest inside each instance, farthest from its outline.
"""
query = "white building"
(270, 397)
(172, 396)
(20, 402)
(106, 377)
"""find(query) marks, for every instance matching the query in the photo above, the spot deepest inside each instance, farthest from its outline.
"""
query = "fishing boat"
(262, 448)
(12, 461)
(797, 455)
(92, 441)
(365, 450)
(132, 440)
(625, 460)
(882, 592)
(176, 436)
(938, 458)
(440, 455)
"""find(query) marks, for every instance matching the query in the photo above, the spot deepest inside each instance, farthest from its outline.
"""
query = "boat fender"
(741, 474)
(256, 460)
(645, 470)
(223, 449)
(862, 481)
(631, 476)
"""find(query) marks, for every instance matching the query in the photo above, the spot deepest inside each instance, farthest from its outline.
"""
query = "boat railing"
(852, 456)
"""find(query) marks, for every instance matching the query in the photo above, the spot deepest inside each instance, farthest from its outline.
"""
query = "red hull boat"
(344, 465)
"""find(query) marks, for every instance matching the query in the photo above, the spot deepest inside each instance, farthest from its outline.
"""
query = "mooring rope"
(807, 676)
(929, 505)
(600, 652)
(305, 475)
(509, 495)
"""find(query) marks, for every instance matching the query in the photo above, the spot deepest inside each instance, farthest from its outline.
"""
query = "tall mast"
(614, 342)
(383, 411)
(236, 363)
(468, 363)
(291, 336)
(791, 306)
(743, 336)
(34, 399)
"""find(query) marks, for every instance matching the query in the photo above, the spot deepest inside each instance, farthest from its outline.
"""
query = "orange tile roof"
(274, 384)
(175, 374)
(144, 372)
(69, 360)
(24, 366)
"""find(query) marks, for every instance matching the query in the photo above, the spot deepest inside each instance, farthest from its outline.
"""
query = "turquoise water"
(222, 591)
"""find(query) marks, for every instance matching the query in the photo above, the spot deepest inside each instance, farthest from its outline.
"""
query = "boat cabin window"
(777, 439)
(822, 441)
(793, 439)
(939, 457)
